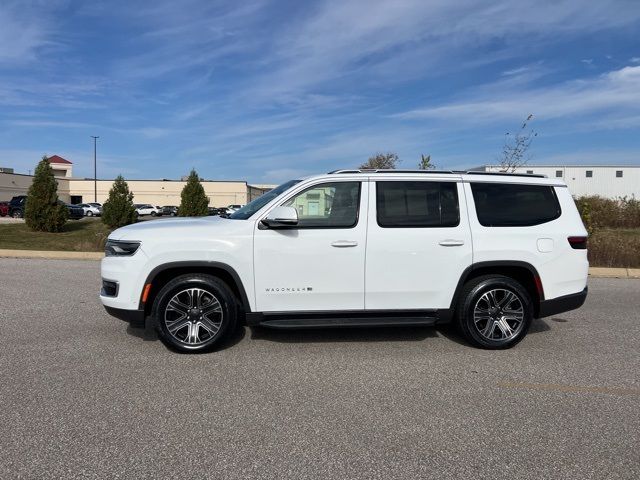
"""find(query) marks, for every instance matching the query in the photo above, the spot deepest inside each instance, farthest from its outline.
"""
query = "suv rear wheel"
(194, 313)
(494, 312)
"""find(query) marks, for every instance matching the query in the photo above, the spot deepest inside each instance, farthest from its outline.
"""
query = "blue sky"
(270, 90)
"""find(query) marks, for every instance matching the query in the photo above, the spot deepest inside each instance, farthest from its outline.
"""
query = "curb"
(603, 272)
(51, 255)
(597, 272)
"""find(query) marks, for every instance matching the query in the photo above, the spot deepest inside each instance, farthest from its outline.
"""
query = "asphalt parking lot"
(84, 396)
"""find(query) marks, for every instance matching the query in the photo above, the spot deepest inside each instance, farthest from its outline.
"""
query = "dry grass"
(615, 248)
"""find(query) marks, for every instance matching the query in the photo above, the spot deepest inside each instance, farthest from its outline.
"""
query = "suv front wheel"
(194, 313)
(494, 312)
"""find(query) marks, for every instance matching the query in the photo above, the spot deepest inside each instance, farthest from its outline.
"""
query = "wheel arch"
(524, 273)
(159, 276)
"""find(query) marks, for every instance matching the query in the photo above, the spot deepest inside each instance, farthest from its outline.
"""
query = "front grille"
(109, 288)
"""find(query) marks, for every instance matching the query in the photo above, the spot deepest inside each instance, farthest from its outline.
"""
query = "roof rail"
(457, 172)
(384, 170)
(509, 174)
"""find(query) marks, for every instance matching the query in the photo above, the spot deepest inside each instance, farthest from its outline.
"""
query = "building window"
(529, 172)
(589, 173)
(618, 173)
(559, 173)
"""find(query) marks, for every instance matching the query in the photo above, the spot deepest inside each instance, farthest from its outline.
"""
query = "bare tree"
(382, 161)
(425, 163)
(515, 152)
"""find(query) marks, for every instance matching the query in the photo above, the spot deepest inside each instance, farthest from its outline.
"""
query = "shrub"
(43, 212)
(193, 201)
(598, 212)
(118, 210)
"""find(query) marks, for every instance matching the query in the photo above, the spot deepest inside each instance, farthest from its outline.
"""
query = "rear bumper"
(562, 304)
(134, 317)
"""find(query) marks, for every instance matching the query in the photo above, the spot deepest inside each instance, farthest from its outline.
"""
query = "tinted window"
(589, 173)
(513, 205)
(417, 204)
(619, 173)
(328, 205)
(559, 173)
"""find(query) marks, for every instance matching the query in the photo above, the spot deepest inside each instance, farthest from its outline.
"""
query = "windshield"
(255, 205)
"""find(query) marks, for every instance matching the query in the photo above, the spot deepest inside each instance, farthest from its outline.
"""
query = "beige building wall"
(161, 192)
(13, 184)
(155, 192)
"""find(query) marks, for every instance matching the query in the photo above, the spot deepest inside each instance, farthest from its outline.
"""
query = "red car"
(4, 209)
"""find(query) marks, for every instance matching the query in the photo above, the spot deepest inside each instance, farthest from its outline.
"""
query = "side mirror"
(281, 217)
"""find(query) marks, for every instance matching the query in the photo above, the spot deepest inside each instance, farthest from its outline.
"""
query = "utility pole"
(95, 171)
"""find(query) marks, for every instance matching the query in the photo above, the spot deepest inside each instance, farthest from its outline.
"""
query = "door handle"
(344, 243)
(451, 243)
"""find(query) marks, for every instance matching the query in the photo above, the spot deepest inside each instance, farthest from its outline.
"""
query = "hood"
(155, 228)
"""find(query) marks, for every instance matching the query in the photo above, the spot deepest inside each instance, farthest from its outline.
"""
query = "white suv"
(489, 252)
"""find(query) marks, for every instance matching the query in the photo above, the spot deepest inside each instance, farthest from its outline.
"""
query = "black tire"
(17, 214)
(89, 213)
(213, 287)
(490, 333)
(153, 214)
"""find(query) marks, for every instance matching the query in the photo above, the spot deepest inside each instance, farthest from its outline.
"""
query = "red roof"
(59, 159)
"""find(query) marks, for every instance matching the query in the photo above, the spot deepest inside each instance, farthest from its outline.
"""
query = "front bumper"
(136, 318)
(562, 304)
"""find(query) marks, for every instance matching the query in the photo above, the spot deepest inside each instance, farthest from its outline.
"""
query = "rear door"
(418, 243)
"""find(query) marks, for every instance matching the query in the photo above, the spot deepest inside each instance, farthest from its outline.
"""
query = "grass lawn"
(86, 235)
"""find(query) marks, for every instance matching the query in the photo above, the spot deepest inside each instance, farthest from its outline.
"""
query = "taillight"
(579, 243)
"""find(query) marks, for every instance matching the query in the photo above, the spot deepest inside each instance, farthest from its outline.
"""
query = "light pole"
(95, 171)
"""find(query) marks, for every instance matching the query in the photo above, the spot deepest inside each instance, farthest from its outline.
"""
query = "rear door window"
(514, 205)
(417, 204)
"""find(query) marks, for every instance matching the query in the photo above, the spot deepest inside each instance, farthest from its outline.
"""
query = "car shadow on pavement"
(347, 334)
(149, 334)
(450, 332)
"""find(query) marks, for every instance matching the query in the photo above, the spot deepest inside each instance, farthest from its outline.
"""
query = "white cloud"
(616, 93)
(22, 32)
(349, 39)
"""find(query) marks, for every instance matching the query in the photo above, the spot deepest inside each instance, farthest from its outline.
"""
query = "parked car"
(4, 209)
(488, 252)
(143, 209)
(216, 211)
(159, 209)
(170, 210)
(90, 210)
(16, 206)
(76, 212)
(232, 208)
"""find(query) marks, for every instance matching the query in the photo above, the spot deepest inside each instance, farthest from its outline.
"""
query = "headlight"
(116, 248)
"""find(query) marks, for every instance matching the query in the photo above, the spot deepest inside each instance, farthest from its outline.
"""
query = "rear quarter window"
(514, 205)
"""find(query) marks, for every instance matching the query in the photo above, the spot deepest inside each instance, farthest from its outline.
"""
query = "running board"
(342, 319)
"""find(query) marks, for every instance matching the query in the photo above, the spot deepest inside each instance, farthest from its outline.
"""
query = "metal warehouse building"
(610, 181)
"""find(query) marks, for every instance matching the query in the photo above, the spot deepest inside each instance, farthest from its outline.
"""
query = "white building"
(610, 181)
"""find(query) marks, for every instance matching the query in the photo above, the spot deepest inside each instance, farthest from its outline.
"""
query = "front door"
(317, 265)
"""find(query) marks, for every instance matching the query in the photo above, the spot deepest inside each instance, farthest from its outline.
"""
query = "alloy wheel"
(193, 316)
(499, 315)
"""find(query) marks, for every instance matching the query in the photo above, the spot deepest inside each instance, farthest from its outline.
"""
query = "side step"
(343, 319)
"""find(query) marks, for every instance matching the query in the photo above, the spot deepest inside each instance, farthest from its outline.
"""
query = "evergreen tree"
(118, 210)
(43, 212)
(193, 201)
